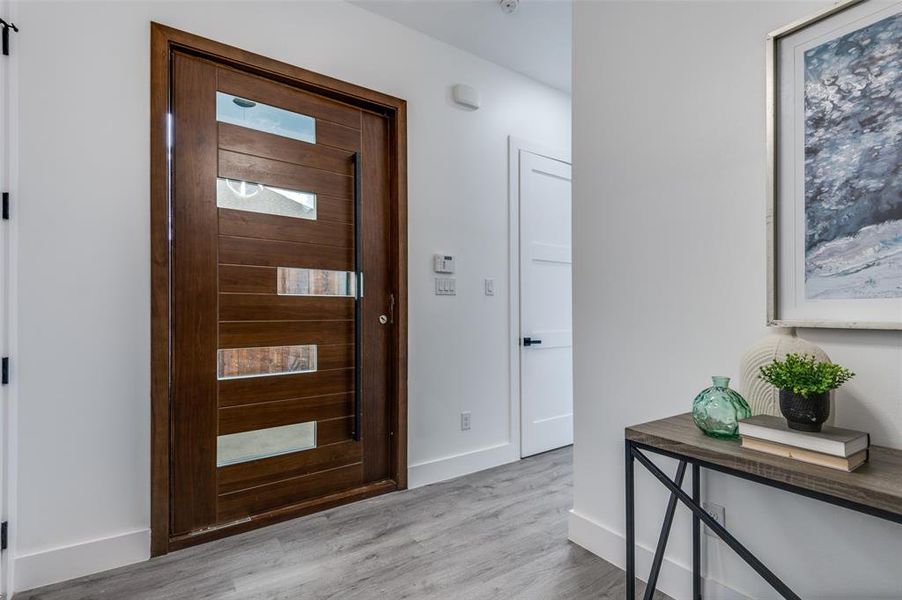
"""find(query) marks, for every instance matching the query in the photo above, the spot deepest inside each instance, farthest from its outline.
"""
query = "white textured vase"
(763, 398)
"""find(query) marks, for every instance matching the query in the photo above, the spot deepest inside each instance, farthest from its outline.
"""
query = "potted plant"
(805, 384)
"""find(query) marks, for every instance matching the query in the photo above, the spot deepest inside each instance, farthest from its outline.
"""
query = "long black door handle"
(528, 341)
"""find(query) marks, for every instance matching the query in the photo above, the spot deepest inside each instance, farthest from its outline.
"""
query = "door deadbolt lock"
(383, 319)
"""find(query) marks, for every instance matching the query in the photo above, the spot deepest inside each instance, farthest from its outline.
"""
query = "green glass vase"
(718, 410)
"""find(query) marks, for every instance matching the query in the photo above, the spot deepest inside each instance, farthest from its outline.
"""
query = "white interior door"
(9, 135)
(546, 321)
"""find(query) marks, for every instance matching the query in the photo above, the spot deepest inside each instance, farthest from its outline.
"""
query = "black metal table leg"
(696, 535)
(665, 534)
(630, 525)
(718, 529)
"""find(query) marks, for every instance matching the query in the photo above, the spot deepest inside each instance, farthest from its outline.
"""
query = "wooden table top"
(877, 484)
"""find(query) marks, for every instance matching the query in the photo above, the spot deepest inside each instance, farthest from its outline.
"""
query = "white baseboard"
(675, 579)
(85, 558)
(449, 467)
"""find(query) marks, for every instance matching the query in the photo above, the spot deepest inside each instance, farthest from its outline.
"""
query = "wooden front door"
(283, 303)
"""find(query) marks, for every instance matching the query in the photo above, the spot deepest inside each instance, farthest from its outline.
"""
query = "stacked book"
(832, 447)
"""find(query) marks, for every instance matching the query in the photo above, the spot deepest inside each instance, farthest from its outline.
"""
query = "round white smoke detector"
(509, 7)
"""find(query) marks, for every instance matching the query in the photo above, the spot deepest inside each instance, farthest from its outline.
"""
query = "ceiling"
(535, 41)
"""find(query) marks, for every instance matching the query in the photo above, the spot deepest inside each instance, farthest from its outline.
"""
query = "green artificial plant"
(804, 375)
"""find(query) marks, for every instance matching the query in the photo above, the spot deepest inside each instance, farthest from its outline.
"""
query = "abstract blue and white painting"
(853, 157)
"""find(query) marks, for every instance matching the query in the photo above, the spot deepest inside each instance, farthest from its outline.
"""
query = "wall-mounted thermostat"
(442, 263)
(466, 96)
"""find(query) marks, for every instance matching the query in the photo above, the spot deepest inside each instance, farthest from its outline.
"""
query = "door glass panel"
(263, 117)
(235, 363)
(273, 441)
(256, 197)
(315, 282)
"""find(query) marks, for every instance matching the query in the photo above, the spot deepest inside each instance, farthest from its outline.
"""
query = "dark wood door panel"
(339, 356)
(339, 136)
(249, 334)
(268, 470)
(287, 229)
(334, 209)
(236, 392)
(333, 431)
(233, 165)
(193, 473)
(277, 147)
(238, 279)
(254, 307)
(273, 253)
(222, 283)
(376, 337)
(240, 504)
(287, 97)
(249, 417)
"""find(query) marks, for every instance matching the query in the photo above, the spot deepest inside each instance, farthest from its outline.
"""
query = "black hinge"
(4, 526)
(4, 370)
(6, 206)
(5, 35)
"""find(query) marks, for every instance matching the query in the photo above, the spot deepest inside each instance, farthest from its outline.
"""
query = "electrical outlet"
(718, 513)
(465, 421)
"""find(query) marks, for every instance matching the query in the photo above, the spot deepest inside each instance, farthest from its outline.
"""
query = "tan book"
(808, 456)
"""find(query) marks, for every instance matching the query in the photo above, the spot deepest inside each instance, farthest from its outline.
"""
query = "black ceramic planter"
(805, 414)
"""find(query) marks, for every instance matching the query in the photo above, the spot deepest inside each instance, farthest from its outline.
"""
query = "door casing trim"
(164, 41)
(515, 146)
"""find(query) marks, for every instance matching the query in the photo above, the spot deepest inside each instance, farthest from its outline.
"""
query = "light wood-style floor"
(499, 534)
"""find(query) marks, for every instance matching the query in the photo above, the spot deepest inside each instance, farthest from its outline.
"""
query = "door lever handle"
(528, 341)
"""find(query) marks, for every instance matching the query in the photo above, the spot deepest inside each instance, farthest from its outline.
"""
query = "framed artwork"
(834, 143)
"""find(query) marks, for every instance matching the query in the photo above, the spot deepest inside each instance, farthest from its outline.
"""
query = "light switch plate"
(489, 287)
(445, 286)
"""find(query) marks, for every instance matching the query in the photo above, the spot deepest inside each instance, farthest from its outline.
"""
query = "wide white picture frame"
(788, 302)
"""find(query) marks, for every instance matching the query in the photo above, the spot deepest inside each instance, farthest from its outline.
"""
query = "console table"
(874, 489)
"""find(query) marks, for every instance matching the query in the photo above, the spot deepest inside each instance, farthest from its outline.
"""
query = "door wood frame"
(514, 146)
(164, 41)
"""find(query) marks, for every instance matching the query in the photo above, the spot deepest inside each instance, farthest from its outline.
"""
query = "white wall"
(669, 276)
(82, 284)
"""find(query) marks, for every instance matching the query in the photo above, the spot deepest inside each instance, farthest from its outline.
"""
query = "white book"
(830, 440)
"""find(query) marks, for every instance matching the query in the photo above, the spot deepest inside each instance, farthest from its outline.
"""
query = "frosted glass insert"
(315, 282)
(234, 363)
(263, 443)
(263, 117)
(259, 198)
